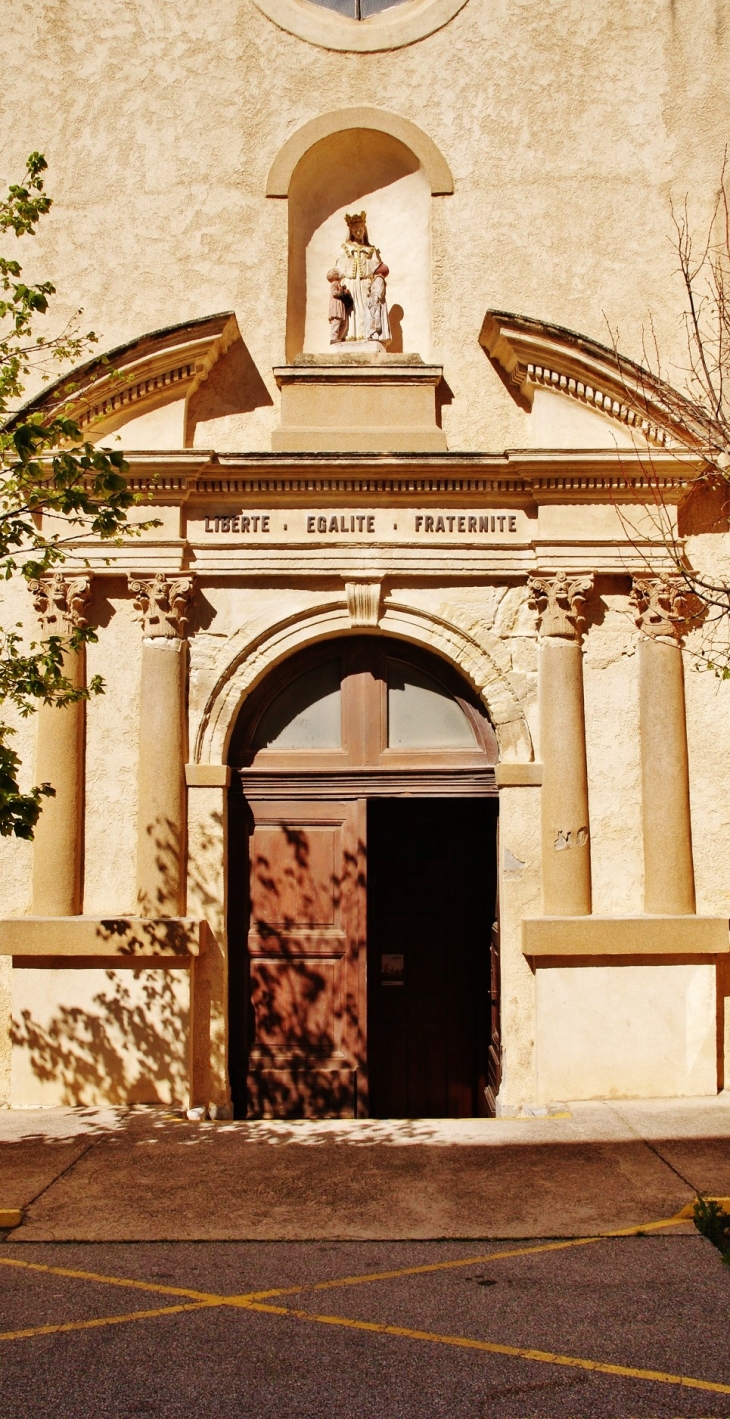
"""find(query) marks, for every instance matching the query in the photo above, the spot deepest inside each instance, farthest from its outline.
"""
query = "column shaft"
(58, 836)
(565, 825)
(161, 782)
(668, 870)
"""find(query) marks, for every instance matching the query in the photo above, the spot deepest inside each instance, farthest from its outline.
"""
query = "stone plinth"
(358, 402)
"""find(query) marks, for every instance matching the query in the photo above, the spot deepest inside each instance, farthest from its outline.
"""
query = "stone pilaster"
(566, 854)
(162, 603)
(661, 607)
(61, 602)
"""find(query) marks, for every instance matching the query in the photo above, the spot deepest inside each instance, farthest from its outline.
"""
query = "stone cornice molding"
(530, 354)
(339, 120)
(554, 475)
(156, 369)
(663, 607)
(162, 603)
(60, 602)
(392, 29)
(559, 601)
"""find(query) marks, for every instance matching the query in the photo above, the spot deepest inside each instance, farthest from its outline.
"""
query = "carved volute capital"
(61, 602)
(162, 602)
(662, 606)
(559, 601)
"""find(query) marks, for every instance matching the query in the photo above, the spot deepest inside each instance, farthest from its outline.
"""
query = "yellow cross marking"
(254, 1301)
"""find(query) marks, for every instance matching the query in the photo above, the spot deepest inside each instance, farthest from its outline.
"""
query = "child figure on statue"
(339, 314)
(378, 325)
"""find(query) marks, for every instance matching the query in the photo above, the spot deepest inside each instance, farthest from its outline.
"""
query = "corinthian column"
(661, 606)
(162, 603)
(566, 855)
(58, 840)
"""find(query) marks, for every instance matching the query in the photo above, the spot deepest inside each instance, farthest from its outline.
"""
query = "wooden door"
(306, 962)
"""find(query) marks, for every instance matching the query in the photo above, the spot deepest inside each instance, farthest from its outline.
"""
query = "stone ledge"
(207, 775)
(518, 775)
(113, 937)
(625, 936)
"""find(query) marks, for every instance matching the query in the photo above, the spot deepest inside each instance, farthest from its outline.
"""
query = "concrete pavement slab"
(152, 1174)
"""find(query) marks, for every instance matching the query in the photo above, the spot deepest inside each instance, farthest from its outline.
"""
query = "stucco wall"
(566, 128)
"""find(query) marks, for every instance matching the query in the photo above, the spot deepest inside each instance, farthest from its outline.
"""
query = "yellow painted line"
(688, 1212)
(101, 1321)
(212, 1298)
(203, 1296)
(453, 1264)
(11, 1216)
(490, 1347)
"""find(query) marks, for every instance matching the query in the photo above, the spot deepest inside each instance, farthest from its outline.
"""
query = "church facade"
(405, 796)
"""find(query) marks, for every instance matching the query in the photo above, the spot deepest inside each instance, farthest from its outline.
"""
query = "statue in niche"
(357, 278)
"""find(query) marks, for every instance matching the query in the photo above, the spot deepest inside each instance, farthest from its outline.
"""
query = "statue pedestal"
(358, 400)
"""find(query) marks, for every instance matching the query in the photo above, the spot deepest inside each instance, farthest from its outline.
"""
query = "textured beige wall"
(625, 1032)
(566, 128)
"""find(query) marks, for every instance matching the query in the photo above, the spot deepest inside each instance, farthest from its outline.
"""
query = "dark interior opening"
(431, 904)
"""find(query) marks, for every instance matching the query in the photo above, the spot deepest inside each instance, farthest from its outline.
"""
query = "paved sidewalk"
(144, 1174)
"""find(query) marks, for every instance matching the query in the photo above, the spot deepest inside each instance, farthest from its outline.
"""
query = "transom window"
(358, 9)
(363, 701)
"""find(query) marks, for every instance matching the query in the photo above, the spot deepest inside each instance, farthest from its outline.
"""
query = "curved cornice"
(158, 368)
(531, 354)
(392, 29)
(339, 120)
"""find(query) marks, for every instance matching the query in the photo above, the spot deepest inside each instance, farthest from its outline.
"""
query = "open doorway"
(431, 899)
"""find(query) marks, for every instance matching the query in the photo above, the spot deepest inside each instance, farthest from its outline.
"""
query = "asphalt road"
(447, 1340)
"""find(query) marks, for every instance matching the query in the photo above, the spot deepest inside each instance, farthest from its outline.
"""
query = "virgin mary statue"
(356, 266)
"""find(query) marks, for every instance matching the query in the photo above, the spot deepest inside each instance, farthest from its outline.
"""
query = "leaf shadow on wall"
(122, 1048)
(128, 1043)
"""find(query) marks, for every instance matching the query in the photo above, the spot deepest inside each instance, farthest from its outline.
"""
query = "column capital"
(162, 602)
(559, 601)
(61, 602)
(662, 607)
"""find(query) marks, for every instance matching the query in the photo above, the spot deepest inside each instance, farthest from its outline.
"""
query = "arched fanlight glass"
(306, 714)
(422, 714)
(358, 9)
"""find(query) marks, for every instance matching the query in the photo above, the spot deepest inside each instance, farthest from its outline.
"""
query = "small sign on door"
(392, 970)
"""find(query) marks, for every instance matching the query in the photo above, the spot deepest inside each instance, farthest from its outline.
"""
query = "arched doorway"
(362, 884)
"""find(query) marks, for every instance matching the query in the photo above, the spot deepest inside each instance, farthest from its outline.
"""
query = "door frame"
(270, 777)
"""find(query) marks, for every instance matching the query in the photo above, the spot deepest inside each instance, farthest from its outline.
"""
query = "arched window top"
(387, 24)
(422, 714)
(358, 9)
(359, 702)
(306, 713)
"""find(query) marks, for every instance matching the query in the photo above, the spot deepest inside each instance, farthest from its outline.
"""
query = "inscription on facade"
(296, 524)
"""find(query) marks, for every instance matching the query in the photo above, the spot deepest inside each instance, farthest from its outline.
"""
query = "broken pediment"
(160, 386)
(580, 394)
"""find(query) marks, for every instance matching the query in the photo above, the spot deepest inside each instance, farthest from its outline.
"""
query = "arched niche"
(354, 169)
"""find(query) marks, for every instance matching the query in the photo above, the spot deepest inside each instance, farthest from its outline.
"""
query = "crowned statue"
(358, 309)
